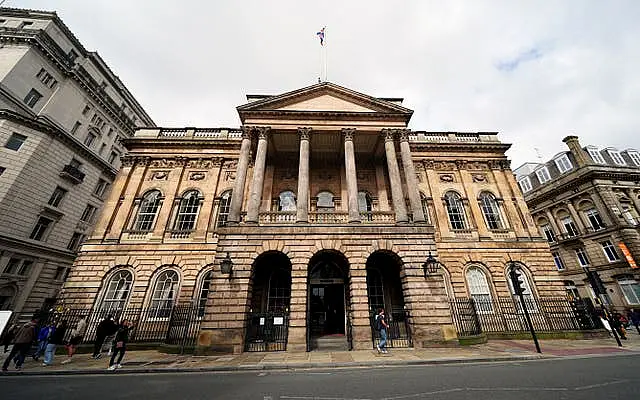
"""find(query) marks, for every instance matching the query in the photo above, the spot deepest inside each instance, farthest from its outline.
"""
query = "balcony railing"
(180, 234)
(137, 235)
(72, 173)
(289, 217)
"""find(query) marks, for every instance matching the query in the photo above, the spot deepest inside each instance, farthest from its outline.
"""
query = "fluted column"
(237, 196)
(410, 177)
(257, 181)
(302, 204)
(394, 178)
(576, 217)
(350, 169)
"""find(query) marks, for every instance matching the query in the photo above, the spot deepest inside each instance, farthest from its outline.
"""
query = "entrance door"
(326, 309)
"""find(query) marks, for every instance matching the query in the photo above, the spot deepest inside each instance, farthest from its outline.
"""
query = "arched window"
(164, 294)
(364, 202)
(204, 292)
(375, 289)
(149, 206)
(187, 211)
(455, 209)
(425, 206)
(287, 201)
(325, 202)
(117, 291)
(279, 291)
(223, 208)
(490, 210)
(479, 290)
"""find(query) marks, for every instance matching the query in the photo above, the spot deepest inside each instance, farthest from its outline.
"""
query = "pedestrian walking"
(634, 317)
(43, 339)
(616, 323)
(56, 339)
(106, 327)
(8, 336)
(23, 340)
(382, 327)
(120, 344)
(76, 337)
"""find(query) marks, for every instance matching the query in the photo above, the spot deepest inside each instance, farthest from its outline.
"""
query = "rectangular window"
(2, 169)
(563, 163)
(12, 266)
(110, 132)
(525, 184)
(594, 219)
(40, 230)
(543, 175)
(25, 268)
(75, 241)
(88, 213)
(616, 157)
(46, 78)
(72, 55)
(15, 141)
(86, 110)
(630, 290)
(635, 157)
(88, 141)
(610, 251)
(32, 98)
(59, 273)
(112, 157)
(100, 187)
(57, 196)
(103, 85)
(583, 260)
(75, 128)
(102, 147)
(548, 233)
(596, 156)
(75, 163)
(570, 227)
(558, 261)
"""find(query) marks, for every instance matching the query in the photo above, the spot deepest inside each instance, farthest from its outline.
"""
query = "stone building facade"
(325, 206)
(63, 114)
(586, 202)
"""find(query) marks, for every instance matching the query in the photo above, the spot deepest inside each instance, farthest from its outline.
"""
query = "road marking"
(320, 398)
(596, 385)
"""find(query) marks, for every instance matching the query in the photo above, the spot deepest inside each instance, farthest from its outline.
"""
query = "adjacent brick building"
(324, 206)
(63, 114)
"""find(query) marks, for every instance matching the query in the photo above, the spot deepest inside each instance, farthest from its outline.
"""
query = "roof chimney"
(579, 154)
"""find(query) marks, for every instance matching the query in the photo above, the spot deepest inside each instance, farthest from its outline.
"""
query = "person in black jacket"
(106, 327)
(120, 344)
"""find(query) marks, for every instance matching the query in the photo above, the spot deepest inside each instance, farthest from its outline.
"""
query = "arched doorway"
(384, 289)
(327, 302)
(270, 294)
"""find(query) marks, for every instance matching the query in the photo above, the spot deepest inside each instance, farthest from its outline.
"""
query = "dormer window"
(635, 157)
(525, 184)
(616, 157)
(595, 155)
(563, 163)
(543, 175)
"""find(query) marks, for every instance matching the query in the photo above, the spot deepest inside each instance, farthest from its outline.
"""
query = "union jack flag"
(321, 36)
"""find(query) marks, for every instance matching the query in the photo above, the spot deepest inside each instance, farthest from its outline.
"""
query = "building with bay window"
(586, 203)
(290, 231)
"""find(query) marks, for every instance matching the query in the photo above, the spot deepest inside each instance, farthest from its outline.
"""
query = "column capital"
(348, 133)
(304, 133)
(263, 132)
(403, 134)
(246, 132)
(388, 134)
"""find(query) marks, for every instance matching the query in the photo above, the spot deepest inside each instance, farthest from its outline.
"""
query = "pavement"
(492, 351)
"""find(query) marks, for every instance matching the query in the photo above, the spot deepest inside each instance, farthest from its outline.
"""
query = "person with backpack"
(23, 340)
(382, 327)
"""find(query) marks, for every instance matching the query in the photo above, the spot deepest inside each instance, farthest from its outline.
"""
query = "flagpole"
(326, 50)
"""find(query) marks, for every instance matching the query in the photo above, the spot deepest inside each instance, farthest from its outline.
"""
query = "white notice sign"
(261, 320)
(278, 320)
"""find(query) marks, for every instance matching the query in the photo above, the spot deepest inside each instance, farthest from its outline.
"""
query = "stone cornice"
(134, 143)
(459, 146)
(42, 125)
(321, 115)
(30, 246)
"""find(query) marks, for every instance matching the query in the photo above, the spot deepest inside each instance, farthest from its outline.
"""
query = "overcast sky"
(535, 71)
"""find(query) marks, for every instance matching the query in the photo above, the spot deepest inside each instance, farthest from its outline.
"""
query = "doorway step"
(331, 343)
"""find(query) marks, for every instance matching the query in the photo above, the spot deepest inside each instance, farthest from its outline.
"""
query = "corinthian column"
(257, 182)
(410, 177)
(352, 181)
(302, 208)
(394, 178)
(237, 196)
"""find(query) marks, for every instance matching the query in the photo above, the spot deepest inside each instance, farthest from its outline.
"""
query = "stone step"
(330, 343)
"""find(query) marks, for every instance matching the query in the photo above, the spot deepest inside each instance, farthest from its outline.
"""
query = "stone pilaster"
(383, 199)
(397, 196)
(121, 211)
(302, 204)
(237, 196)
(410, 178)
(360, 314)
(257, 180)
(352, 180)
(297, 335)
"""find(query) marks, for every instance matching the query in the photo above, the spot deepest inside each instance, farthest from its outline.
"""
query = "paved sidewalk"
(495, 350)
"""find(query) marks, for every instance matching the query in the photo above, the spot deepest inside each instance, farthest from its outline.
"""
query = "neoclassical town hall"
(321, 208)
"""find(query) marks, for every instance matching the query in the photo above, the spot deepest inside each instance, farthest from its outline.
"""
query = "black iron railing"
(505, 315)
(267, 331)
(399, 332)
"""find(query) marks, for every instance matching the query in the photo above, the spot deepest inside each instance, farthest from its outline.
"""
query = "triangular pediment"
(323, 97)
